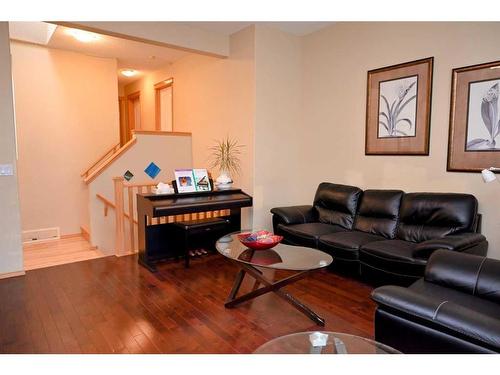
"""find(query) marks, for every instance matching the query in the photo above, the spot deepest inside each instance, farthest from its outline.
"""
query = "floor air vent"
(39, 235)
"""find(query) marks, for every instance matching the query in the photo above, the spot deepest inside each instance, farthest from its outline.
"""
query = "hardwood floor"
(53, 253)
(112, 305)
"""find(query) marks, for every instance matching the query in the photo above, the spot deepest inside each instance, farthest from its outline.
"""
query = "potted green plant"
(225, 156)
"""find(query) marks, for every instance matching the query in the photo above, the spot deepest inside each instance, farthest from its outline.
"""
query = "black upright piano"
(155, 240)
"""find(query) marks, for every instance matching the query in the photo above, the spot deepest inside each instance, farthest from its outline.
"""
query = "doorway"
(164, 105)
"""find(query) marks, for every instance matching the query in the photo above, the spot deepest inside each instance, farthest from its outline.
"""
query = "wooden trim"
(140, 185)
(125, 133)
(101, 158)
(131, 98)
(110, 204)
(158, 87)
(119, 213)
(157, 132)
(71, 235)
(12, 274)
(106, 164)
(165, 83)
(85, 233)
(131, 221)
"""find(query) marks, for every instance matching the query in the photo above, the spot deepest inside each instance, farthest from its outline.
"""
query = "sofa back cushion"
(424, 216)
(336, 204)
(378, 212)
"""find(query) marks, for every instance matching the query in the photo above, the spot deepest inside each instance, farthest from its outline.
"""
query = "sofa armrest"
(295, 214)
(406, 300)
(455, 242)
(457, 318)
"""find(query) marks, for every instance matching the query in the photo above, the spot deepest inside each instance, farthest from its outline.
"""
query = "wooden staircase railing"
(125, 231)
(100, 161)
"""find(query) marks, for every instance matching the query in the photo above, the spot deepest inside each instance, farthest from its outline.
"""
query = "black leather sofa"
(385, 235)
(455, 308)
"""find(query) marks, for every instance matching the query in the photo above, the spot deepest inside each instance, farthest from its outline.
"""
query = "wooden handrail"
(112, 150)
(96, 172)
(98, 167)
(108, 204)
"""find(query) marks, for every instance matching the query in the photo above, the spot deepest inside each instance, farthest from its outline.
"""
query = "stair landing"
(57, 252)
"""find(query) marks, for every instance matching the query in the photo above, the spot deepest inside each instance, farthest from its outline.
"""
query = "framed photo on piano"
(185, 180)
(192, 180)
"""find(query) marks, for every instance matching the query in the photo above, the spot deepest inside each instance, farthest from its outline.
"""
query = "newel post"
(119, 211)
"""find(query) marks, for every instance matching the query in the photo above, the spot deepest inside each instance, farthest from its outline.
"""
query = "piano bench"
(202, 232)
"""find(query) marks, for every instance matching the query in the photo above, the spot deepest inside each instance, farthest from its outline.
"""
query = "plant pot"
(224, 181)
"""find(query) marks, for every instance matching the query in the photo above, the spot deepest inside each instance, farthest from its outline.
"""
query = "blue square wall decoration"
(152, 170)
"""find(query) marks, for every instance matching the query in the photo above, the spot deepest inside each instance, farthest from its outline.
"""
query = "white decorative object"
(488, 175)
(224, 181)
(162, 188)
(318, 339)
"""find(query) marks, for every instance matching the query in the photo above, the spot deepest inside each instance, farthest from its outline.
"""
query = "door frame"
(131, 98)
(158, 87)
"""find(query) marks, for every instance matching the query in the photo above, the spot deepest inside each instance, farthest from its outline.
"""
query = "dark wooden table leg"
(236, 285)
(301, 307)
(232, 300)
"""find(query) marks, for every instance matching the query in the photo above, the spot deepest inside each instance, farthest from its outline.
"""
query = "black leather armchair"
(455, 308)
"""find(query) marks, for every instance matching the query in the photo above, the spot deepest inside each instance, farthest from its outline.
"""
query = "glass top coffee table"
(303, 260)
(316, 343)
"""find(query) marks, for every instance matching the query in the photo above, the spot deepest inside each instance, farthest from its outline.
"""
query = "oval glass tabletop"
(315, 343)
(281, 257)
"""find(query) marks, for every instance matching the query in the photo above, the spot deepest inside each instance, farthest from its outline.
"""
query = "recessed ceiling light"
(129, 72)
(83, 36)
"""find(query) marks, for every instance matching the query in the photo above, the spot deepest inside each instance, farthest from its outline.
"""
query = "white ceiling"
(299, 28)
(139, 56)
(130, 54)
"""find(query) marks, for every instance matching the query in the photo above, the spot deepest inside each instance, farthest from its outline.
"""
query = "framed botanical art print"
(474, 137)
(398, 109)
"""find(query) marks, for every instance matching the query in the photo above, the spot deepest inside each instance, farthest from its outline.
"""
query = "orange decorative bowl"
(261, 240)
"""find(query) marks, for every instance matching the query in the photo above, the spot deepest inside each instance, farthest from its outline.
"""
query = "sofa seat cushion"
(451, 313)
(345, 245)
(306, 234)
(392, 256)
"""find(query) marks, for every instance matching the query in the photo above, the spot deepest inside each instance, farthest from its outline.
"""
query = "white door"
(166, 109)
(137, 114)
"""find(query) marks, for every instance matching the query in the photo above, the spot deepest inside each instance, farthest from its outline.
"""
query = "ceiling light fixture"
(83, 36)
(129, 72)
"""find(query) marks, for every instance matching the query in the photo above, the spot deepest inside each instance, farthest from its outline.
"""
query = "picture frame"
(398, 109)
(474, 130)
(192, 180)
(184, 180)
(202, 180)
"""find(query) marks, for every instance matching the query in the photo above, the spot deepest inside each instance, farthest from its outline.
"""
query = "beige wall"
(336, 60)
(167, 151)
(213, 98)
(67, 116)
(11, 256)
(279, 147)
